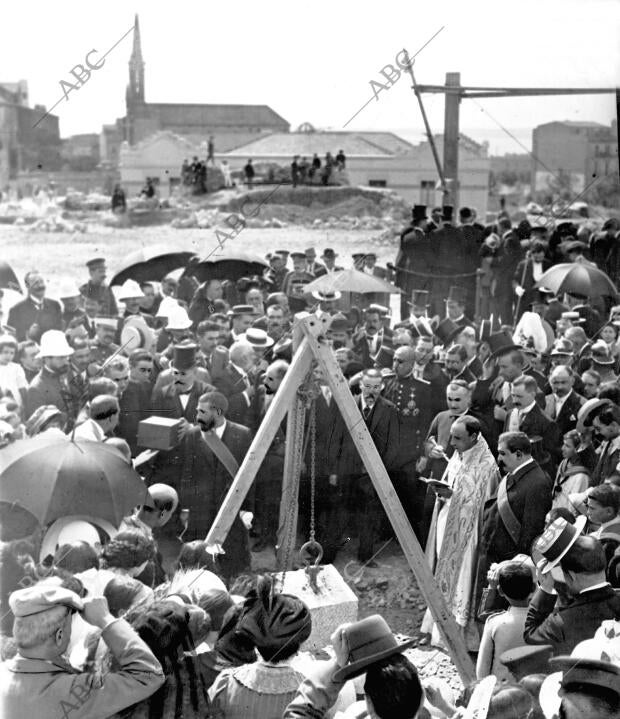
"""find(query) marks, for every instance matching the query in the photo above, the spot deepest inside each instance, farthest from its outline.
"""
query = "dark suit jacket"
(166, 403)
(567, 418)
(231, 384)
(362, 350)
(566, 626)
(529, 495)
(326, 418)
(537, 424)
(24, 314)
(202, 483)
(135, 404)
(50, 388)
(383, 426)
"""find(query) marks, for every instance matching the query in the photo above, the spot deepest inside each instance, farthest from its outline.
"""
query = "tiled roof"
(217, 115)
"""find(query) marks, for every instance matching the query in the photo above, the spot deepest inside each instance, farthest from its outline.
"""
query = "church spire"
(135, 90)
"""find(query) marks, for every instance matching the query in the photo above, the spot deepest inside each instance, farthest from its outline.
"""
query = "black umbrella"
(151, 263)
(226, 265)
(8, 278)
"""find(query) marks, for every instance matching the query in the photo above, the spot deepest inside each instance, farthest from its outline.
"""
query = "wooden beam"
(463, 91)
(258, 449)
(435, 600)
(289, 503)
(451, 142)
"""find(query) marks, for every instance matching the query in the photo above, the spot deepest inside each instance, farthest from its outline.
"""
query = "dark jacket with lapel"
(529, 495)
(566, 626)
(383, 426)
(25, 313)
(567, 417)
(135, 405)
(232, 385)
(166, 403)
(536, 424)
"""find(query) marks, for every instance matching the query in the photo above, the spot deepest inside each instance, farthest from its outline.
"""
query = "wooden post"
(435, 600)
(258, 449)
(451, 140)
(289, 504)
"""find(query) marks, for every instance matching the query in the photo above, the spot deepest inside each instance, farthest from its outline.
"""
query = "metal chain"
(312, 430)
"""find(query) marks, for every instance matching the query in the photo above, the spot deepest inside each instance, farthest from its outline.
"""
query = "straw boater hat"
(256, 337)
(562, 348)
(556, 540)
(54, 344)
(586, 410)
(327, 295)
(601, 353)
(136, 334)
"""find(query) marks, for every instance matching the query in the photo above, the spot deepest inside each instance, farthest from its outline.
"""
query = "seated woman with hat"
(277, 625)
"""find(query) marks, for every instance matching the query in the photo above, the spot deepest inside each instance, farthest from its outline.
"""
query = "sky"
(314, 61)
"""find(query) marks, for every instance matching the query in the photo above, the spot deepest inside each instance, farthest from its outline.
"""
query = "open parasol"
(151, 263)
(351, 281)
(53, 477)
(8, 278)
(578, 278)
(226, 264)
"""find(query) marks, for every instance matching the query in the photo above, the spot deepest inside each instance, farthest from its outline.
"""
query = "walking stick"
(518, 306)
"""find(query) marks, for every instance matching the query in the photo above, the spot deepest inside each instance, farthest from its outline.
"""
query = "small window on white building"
(377, 183)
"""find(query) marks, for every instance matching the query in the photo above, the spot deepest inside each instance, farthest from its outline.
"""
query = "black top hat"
(446, 331)
(447, 212)
(487, 328)
(500, 343)
(384, 357)
(419, 213)
(457, 294)
(184, 356)
(419, 298)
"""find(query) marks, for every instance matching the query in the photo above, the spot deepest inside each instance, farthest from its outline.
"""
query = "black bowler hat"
(329, 253)
(419, 213)
(184, 355)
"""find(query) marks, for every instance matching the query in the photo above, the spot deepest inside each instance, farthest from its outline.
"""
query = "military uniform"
(412, 398)
(99, 352)
(103, 294)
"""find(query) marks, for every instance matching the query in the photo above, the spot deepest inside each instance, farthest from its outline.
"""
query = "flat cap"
(95, 262)
(40, 597)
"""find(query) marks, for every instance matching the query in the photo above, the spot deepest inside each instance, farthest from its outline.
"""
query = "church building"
(229, 125)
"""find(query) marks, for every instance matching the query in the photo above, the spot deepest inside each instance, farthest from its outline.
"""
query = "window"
(377, 183)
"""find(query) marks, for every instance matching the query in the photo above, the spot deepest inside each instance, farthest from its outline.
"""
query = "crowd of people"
(498, 425)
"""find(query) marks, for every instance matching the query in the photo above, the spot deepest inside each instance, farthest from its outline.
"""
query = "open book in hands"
(441, 489)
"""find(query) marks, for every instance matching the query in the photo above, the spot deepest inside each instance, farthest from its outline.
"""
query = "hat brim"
(350, 671)
(580, 523)
(595, 405)
(506, 348)
(318, 295)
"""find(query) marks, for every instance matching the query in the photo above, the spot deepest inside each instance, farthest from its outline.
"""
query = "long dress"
(453, 540)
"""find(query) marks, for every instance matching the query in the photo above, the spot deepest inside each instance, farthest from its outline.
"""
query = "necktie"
(367, 411)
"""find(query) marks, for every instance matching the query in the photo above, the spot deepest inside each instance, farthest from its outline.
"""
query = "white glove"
(519, 291)
(247, 518)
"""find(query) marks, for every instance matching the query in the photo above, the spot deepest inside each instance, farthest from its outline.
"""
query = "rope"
(434, 277)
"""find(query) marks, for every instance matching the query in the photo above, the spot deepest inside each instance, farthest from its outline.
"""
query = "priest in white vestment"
(471, 477)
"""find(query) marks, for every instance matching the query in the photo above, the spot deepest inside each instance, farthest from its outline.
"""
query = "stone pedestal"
(334, 604)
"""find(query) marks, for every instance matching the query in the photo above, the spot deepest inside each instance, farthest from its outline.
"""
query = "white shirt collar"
(600, 585)
(520, 466)
(525, 410)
